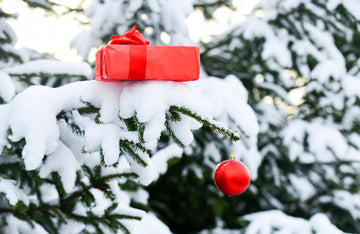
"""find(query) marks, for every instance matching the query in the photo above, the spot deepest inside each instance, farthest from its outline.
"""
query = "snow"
(135, 98)
(303, 187)
(276, 221)
(63, 162)
(126, 210)
(253, 28)
(50, 67)
(275, 45)
(161, 157)
(49, 193)
(7, 88)
(12, 192)
(3, 125)
(146, 174)
(154, 5)
(351, 86)
(71, 227)
(185, 136)
(326, 143)
(277, 49)
(293, 137)
(322, 225)
(332, 4)
(270, 114)
(277, 90)
(104, 136)
(140, 196)
(152, 225)
(176, 18)
(42, 135)
(101, 202)
(121, 196)
(348, 201)
(323, 71)
(228, 98)
(19, 226)
(325, 41)
(7, 31)
(352, 6)
(269, 221)
(211, 154)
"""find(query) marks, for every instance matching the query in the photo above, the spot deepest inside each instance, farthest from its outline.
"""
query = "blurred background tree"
(310, 145)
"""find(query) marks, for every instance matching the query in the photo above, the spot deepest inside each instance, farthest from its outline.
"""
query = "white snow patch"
(303, 187)
(353, 6)
(101, 202)
(71, 227)
(322, 225)
(326, 142)
(7, 88)
(152, 225)
(161, 157)
(348, 201)
(50, 67)
(268, 221)
(49, 193)
(12, 192)
(64, 162)
(19, 226)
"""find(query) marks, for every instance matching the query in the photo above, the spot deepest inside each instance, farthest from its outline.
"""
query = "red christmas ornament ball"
(232, 177)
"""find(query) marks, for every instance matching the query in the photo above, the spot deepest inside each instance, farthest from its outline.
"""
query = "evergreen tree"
(28, 67)
(310, 147)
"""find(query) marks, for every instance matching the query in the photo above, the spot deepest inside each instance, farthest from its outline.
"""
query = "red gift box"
(129, 57)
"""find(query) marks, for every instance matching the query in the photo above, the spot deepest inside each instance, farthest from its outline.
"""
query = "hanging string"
(232, 155)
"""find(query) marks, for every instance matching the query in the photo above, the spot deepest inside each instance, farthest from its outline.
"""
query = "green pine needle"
(128, 148)
(216, 127)
(58, 184)
(172, 134)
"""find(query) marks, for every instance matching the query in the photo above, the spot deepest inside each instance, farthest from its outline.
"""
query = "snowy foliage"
(311, 49)
(89, 131)
(162, 22)
(271, 221)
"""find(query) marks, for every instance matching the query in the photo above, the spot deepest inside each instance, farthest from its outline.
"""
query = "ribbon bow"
(132, 37)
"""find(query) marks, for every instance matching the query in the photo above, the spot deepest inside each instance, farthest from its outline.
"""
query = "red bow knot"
(132, 37)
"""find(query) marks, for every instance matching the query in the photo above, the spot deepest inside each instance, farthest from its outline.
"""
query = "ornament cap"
(232, 156)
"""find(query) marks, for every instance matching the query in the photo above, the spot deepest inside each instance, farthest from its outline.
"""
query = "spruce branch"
(88, 109)
(171, 132)
(133, 124)
(69, 199)
(129, 148)
(217, 127)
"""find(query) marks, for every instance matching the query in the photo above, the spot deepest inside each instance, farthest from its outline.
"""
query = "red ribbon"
(137, 52)
(132, 37)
